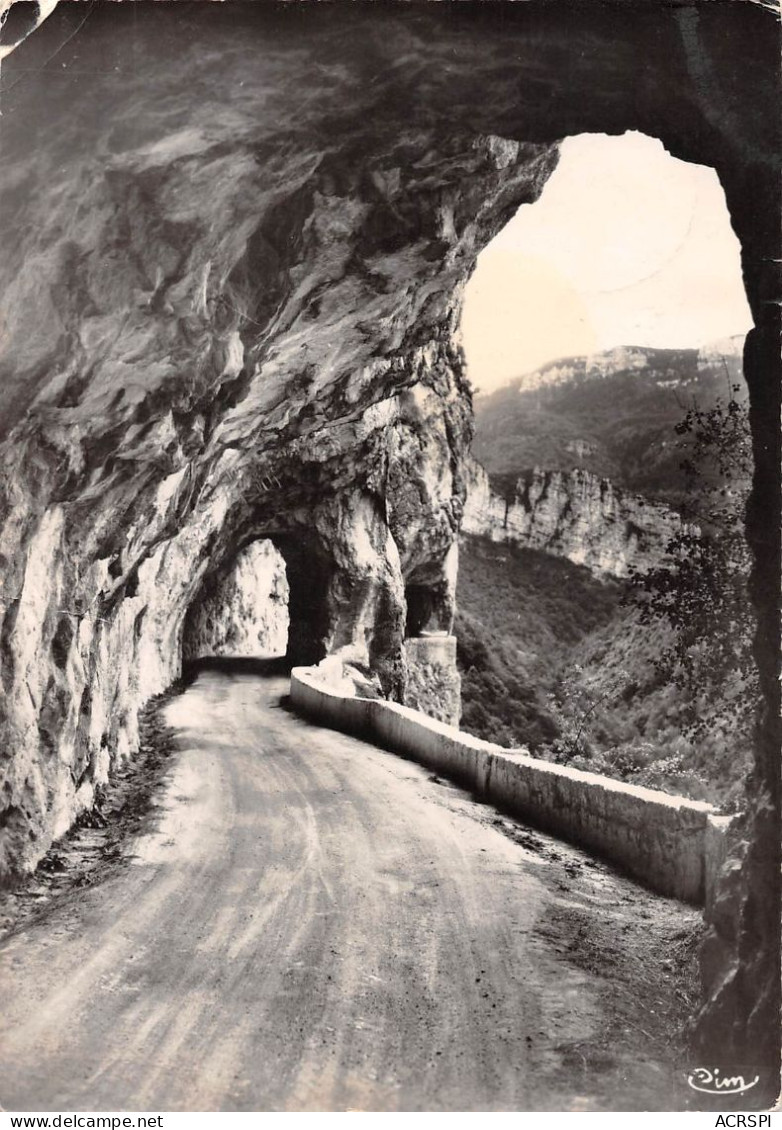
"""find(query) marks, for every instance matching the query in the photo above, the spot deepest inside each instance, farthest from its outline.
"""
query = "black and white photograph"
(389, 558)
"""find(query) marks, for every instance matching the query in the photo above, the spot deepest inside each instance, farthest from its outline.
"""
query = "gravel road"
(310, 923)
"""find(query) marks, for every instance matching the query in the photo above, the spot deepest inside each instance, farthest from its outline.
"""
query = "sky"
(626, 246)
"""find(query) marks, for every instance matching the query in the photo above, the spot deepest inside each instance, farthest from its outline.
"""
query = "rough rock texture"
(573, 514)
(242, 610)
(234, 241)
(223, 325)
(434, 685)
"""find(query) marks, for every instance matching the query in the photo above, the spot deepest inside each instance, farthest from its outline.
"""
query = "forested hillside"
(521, 613)
(613, 415)
(551, 660)
(598, 673)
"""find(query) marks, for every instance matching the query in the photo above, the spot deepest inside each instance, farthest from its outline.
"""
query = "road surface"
(309, 924)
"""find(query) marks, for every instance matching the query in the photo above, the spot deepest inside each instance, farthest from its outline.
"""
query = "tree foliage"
(700, 590)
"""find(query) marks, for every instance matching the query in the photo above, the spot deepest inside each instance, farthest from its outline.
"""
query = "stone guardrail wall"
(673, 845)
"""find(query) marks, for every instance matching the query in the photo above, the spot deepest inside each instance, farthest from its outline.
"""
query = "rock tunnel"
(242, 610)
(229, 314)
(268, 599)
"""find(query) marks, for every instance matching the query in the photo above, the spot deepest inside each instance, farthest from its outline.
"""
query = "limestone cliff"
(613, 413)
(572, 514)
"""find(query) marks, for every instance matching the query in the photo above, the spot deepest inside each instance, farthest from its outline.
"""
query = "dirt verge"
(94, 846)
(643, 949)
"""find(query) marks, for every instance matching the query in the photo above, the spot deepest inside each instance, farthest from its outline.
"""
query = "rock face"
(573, 514)
(223, 326)
(242, 611)
(234, 245)
(433, 681)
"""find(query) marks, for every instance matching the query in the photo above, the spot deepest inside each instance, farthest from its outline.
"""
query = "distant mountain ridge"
(582, 484)
(677, 364)
(612, 414)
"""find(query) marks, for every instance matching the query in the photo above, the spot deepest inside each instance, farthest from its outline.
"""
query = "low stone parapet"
(673, 845)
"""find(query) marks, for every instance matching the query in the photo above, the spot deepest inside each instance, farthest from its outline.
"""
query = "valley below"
(572, 501)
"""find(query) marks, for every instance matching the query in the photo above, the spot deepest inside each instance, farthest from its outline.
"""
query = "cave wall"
(242, 609)
(235, 239)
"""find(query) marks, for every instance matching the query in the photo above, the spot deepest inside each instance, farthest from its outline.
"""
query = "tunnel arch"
(291, 612)
(626, 246)
(730, 1021)
(240, 609)
(670, 261)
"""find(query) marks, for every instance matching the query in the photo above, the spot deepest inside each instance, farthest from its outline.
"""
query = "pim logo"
(711, 1083)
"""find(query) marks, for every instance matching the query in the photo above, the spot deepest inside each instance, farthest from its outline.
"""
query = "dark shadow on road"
(231, 665)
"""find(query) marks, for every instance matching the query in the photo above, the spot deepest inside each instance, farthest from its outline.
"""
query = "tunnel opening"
(267, 602)
(427, 613)
(309, 574)
(242, 609)
(603, 331)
